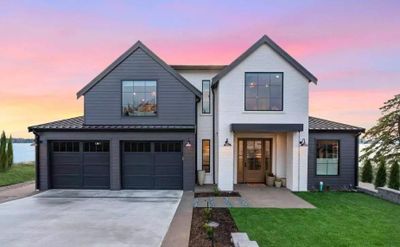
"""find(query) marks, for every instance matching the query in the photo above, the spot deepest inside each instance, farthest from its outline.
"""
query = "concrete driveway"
(88, 218)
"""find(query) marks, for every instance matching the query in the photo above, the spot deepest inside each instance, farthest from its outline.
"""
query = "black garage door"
(152, 165)
(80, 165)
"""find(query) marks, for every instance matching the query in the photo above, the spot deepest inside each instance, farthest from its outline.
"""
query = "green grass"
(341, 219)
(18, 174)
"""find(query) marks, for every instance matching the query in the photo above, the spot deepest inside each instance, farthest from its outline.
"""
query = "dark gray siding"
(347, 164)
(175, 102)
(115, 139)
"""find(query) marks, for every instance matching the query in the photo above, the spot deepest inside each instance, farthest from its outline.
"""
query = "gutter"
(37, 160)
(213, 132)
(356, 152)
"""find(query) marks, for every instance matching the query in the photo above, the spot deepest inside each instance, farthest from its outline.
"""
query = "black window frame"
(282, 94)
(209, 97)
(96, 146)
(62, 146)
(122, 98)
(209, 155)
(316, 157)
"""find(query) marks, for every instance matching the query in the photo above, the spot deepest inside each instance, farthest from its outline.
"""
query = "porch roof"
(266, 127)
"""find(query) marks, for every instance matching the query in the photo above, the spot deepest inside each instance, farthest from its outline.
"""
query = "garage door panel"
(65, 158)
(100, 182)
(168, 182)
(98, 170)
(138, 182)
(168, 170)
(66, 182)
(67, 170)
(96, 158)
(158, 167)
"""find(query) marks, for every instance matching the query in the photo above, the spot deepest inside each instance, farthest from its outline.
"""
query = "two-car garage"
(144, 164)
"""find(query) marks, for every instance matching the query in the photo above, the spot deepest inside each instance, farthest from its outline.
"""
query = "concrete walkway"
(16, 191)
(253, 196)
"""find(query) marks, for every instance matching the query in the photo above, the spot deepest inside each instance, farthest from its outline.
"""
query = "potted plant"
(270, 178)
(283, 182)
(201, 176)
(278, 182)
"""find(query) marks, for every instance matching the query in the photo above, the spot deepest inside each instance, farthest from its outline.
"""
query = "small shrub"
(217, 192)
(367, 174)
(380, 179)
(3, 153)
(394, 177)
(207, 213)
(10, 153)
(209, 230)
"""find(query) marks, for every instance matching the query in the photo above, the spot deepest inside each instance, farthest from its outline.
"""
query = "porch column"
(225, 161)
(115, 173)
(296, 170)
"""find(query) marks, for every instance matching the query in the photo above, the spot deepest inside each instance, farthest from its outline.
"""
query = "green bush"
(367, 174)
(10, 153)
(394, 177)
(3, 153)
(380, 179)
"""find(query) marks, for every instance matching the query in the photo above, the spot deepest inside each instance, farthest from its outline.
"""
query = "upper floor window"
(139, 98)
(327, 157)
(263, 91)
(206, 85)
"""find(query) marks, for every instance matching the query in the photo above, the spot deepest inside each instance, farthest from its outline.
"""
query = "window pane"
(206, 155)
(327, 157)
(263, 91)
(206, 96)
(142, 101)
(127, 86)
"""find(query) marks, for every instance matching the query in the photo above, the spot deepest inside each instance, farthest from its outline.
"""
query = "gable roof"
(319, 124)
(265, 40)
(125, 55)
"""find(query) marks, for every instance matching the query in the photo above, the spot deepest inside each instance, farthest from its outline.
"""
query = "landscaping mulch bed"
(222, 235)
(217, 194)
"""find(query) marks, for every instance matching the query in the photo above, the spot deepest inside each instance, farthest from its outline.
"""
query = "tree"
(3, 154)
(394, 177)
(380, 179)
(367, 176)
(384, 137)
(10, 153)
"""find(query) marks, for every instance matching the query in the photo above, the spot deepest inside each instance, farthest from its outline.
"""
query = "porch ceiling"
(266, 127)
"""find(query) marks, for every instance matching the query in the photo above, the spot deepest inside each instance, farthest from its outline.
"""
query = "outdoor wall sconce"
(303, 142)
(188, 144)
(227, 144)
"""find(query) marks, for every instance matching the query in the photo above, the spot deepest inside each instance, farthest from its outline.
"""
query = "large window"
(327, 157)
(139, 98)
(206, 96)
(263, 91)
(205, 147)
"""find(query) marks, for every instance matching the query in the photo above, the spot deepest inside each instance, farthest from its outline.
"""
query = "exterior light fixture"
(227, 144)
(303, 142)
(188, 144)
(97, 143)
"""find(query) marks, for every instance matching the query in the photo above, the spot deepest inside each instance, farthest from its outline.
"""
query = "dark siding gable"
(175, 102)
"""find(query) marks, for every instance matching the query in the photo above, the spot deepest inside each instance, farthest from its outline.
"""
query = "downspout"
(298, 166)
(195, 140)
(213, 132)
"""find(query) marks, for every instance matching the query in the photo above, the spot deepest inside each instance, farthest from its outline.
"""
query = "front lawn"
(18, 174)
(341, 219)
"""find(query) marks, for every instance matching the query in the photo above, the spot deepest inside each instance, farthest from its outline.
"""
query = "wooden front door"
(254, 160)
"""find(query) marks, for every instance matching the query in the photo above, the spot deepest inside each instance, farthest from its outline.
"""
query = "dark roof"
(253, 127)
(319, 124)
(124, 56)
(198, 67)
(265, 40)
(76, 123)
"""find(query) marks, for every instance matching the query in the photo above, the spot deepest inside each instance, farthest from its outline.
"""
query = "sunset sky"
(50, 49)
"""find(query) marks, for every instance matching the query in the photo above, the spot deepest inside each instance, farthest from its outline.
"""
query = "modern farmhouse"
(151, 125)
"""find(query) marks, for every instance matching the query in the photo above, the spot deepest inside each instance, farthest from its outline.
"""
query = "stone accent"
(240, 239)
(389, 194)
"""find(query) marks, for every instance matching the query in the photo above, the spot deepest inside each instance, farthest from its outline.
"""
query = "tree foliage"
(367, 174)
(10, 152)
(384, 137)
(380, 179)
(3, 152)
(394, 177)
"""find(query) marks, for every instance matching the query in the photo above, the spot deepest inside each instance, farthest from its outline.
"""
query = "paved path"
(16, 191)
(88, 218)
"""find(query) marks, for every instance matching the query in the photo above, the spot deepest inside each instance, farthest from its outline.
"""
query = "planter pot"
(278, 184)
(283, 182)
(201, 176)
(270, 180)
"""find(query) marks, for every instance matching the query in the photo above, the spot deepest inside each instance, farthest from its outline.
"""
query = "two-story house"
(150, 125)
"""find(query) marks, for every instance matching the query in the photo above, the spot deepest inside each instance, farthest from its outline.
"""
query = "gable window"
(328, 157)
(139, 98)
(205, 150)
(206, 85)
(263, 91)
